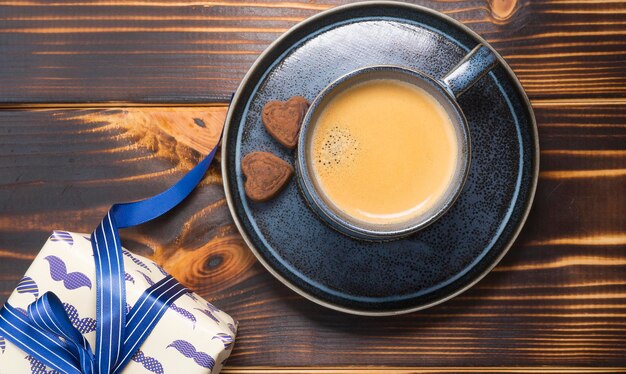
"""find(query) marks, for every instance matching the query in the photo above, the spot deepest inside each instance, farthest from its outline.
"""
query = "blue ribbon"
(46, 332)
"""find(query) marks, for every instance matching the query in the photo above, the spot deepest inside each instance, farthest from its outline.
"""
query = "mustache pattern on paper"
(189, 350)
(147, 278)
(212, 308)
(84, 325)
(28, 285)
(184, 312)
(3, 344)
(38, 367)
(62, 236)
(134, 259)
(71, 281)
(149, 363)
(208, 314)
(226, 339)
(129, 278)
(159, 268)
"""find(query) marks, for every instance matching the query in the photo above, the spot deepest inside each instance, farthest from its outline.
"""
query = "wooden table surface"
(103, 102)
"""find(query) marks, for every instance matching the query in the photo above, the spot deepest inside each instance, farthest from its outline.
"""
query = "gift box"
(192, 336)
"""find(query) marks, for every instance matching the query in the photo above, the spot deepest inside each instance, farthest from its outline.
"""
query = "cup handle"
(472, 67)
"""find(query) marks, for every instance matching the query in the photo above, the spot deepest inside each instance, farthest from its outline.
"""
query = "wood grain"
(557, 302)
(197, 51)
(413, 370)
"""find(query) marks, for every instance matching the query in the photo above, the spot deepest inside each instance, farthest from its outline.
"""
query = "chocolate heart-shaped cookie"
(283, 119)
(265, 175)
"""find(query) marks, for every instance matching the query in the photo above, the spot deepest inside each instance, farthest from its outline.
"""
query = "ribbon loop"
(44, 312)
(48, 313)
(38, 343)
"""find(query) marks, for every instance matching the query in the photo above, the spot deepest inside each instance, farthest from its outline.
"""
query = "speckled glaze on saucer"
(433, 264)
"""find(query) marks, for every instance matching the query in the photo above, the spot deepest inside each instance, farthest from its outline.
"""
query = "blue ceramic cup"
(445, 90)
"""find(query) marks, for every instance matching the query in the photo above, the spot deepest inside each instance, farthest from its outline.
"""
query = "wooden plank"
(191, 51)
(557, 300)
(413, 370)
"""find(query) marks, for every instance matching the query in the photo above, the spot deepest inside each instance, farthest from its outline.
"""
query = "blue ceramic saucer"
(433, 264)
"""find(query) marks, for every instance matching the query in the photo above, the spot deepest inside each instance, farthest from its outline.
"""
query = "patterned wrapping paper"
(192, 337)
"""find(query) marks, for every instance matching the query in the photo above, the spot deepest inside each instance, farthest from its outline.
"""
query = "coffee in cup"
(383, 152)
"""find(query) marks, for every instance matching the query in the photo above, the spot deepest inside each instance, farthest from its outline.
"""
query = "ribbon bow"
(47, 333)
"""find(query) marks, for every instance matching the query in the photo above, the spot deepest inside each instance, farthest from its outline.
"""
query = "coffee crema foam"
(338, 148)
(383, 152)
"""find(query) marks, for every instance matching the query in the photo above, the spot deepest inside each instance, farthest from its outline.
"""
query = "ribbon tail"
(138, 212)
